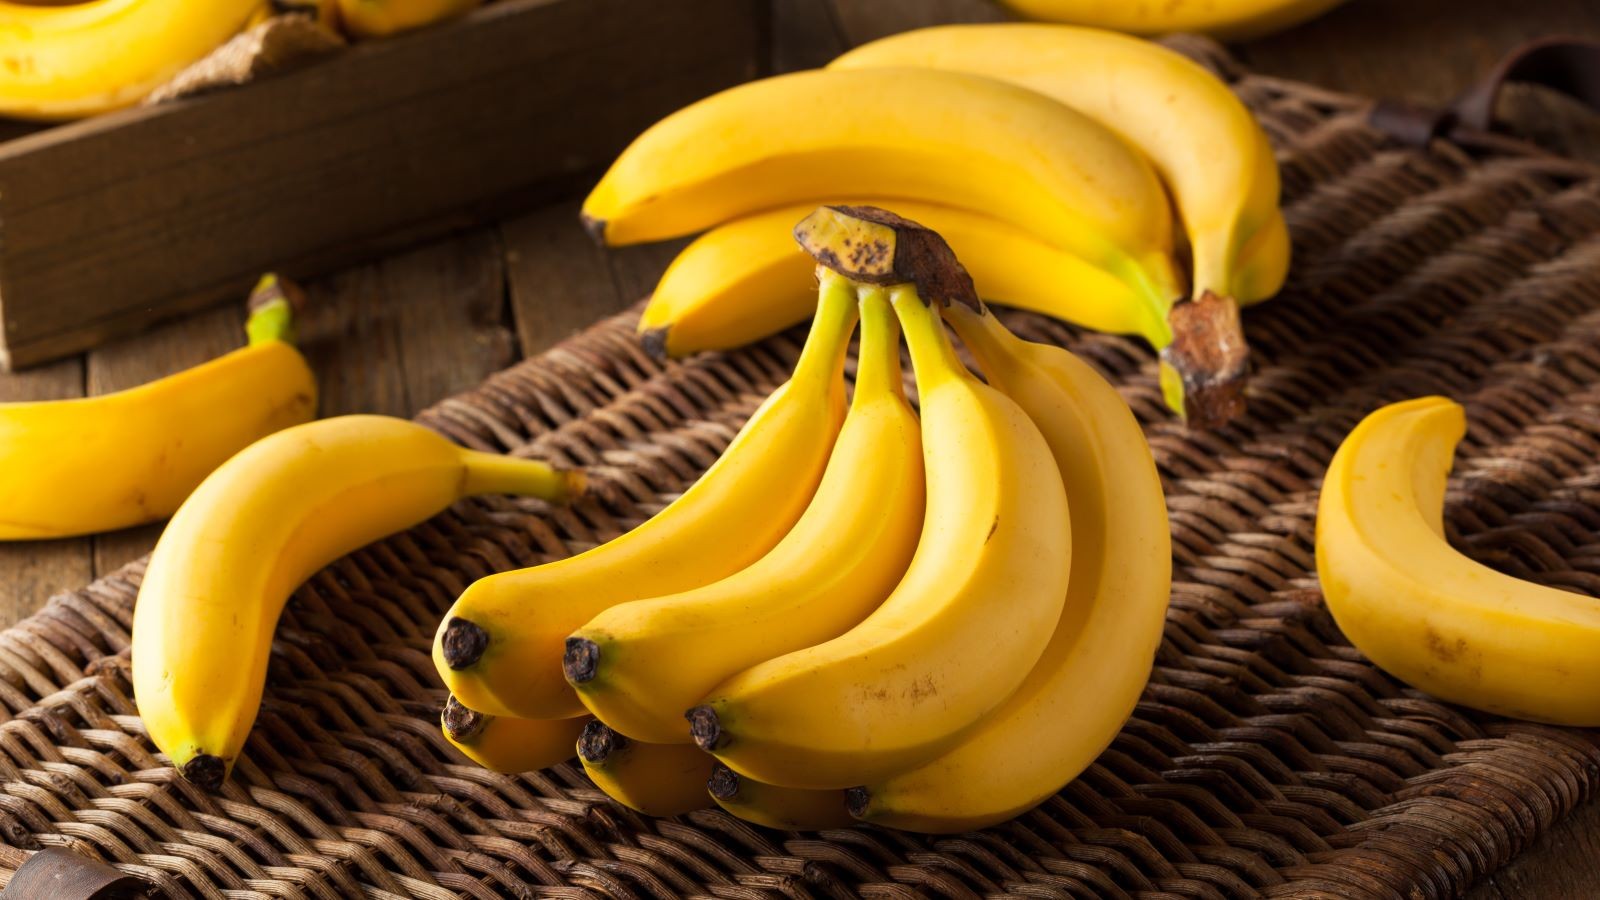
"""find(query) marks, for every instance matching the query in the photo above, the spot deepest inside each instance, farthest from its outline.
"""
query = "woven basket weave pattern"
(1267, 758)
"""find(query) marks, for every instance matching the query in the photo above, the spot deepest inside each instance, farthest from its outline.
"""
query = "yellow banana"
(1424, 612)
(70, 467)
(745, 280)
(941, 137)
(500, 647)
(637, 666)
(1203, 141)
(65, 62)
(1091, 674)
(257, 527)
(381, 18)
(975, 609)
(1225, 20)
(792, 809)
(655, 779)
(509, 745)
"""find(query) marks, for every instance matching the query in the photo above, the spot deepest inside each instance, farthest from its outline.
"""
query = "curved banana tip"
(723, 783)
(577, 485)
(205, 771)
(581, 660)
(598, 741)
(654, 342)
(704, 727)
(595, 226)
(856, 801)
(462, 643)
(1208, 361)
(461, 724)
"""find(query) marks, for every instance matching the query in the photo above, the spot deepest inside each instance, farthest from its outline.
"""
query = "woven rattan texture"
(1266, 758)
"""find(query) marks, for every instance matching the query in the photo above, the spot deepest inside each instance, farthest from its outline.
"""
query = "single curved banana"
(745, 280)
(65, 62)
(72, 467)
(363, 19)
(1422, 611)
(791, 809)
(1203, 141)
(1090, 677)
(959, 633)
(500, 647)
(257, 527)
(509, 745)
(1225, 20)
(915, 134)
(655, 779)
(637, 666)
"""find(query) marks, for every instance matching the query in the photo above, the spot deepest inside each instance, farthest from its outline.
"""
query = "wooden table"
(397, 334)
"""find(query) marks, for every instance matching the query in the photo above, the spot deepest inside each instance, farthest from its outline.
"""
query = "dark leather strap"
(1567, 64)
(56, 874)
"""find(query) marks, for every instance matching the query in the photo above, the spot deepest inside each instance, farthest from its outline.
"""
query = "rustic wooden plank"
(169, 349)
(113, 222)
(395, 336)
(868, 20)
(1424, 50)
(30, 571)
(559, 279)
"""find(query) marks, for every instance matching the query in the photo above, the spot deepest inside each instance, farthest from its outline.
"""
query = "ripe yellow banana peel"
(256, 528)
(65, 62)
(1424, 612)
(1225, 20)
(74, 467)
(380, 18)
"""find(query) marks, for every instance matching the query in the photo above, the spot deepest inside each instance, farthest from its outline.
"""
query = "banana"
(792, 809)
(1052, 728)
(1202, 140)
(655, 779)
(1424, 612)
(66, 62)
(363, 19)
(509, 745)
(940, 137)
(744, 280)
(72, 467)
(983, 591)
(1225, 20)
(257, 527)
(500, 647)
(637, 666)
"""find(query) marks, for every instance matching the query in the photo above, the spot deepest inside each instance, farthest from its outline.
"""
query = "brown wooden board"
(111, 223)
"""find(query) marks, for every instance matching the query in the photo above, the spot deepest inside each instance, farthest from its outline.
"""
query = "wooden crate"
(109, 224)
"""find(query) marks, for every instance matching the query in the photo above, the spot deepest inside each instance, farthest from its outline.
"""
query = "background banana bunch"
(66, 62)
(929, 591)
(1079, 173)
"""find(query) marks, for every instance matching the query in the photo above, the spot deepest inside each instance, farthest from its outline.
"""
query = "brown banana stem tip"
(205, 771)
(273, 286)
(595, 227)
(873, 245)
(856, 800)
(704, 727)
(654, 342)
(1210, 356)
(460, 723)
(598, 742)
(723, 783)
(463, 643)
(581, 660)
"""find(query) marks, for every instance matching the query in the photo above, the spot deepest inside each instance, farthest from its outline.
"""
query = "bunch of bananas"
(1424, 612)
(864, 612)
(1051, 157)
(66, 62)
